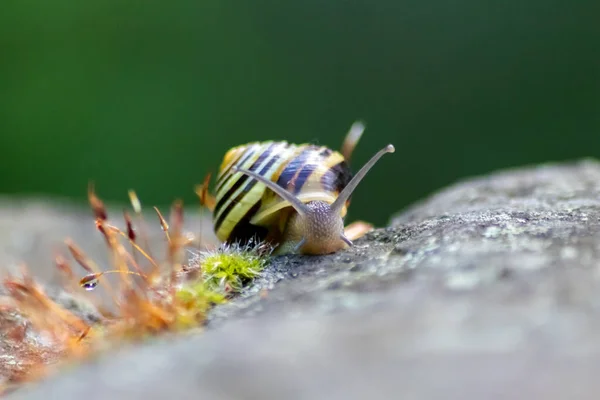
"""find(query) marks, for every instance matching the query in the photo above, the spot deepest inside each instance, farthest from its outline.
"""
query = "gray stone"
(488, 289)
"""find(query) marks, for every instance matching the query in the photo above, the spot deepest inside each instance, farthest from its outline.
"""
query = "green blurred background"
(150, 94)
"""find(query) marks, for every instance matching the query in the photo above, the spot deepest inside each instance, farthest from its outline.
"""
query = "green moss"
(225, 271)
(195, 299)
(231, 267)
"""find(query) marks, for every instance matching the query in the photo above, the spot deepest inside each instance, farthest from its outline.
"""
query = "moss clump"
(231, 266)
(195, 300)
(223, 273)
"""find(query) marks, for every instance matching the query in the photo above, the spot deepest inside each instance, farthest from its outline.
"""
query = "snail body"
(292, 196)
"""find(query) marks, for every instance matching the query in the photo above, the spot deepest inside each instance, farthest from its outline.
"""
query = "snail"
(292, 196)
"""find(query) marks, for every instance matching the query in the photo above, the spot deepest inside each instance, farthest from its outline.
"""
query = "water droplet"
(89, 282)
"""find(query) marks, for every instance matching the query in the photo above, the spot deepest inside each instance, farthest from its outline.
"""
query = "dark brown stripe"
(303, 176)
(233, 162)
(326, 152)
(293, 167)
(243, 179)
(337, 177)
(243, 193)
(244, 230)
(225, 178)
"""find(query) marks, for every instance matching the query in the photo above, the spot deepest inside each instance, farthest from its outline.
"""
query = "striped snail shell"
(292, 196)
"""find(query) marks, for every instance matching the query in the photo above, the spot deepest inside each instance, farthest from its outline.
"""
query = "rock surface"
(489, 289)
